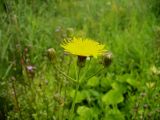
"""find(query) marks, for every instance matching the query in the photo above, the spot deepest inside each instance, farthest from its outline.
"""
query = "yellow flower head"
(83, 47)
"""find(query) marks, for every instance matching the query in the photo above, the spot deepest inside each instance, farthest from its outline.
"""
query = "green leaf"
(112, 97)
(132, 82)
(93, 82)
(114, 114)
(121, 87)
(94, 93)
(83, 110)
(81, 95)
(106, 83)
(85, 113)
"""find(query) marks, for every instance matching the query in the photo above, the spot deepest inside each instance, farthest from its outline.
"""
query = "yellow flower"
(83, 47)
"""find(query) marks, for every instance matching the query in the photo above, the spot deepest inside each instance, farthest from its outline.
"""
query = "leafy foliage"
(32, 87)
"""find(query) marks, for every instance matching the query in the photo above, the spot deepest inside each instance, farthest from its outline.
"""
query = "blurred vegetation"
(32, 89)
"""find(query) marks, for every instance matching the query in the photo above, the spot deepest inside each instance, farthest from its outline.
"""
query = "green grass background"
(129, 29)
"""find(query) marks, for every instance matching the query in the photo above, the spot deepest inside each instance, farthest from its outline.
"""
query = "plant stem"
(65, 86)
(94, 74)
(73, 80)
(75, 95)
(16, 98)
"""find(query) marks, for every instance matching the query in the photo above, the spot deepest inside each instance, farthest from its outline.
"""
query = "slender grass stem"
(7, 71)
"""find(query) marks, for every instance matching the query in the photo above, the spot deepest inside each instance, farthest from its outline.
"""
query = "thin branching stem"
(73, 80)
(100, 70)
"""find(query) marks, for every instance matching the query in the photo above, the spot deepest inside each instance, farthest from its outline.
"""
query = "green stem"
(94, 74)
(16, 98)
(75, 95)
(73, 80)
(65, 86)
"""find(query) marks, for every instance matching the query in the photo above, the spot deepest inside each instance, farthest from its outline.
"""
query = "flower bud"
(51, 55)
(107, 59)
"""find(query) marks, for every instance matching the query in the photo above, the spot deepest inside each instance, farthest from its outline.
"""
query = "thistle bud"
(51, 55)
(107, 59)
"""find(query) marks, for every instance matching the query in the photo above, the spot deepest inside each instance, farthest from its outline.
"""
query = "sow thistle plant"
(80, 49)
(83, 48)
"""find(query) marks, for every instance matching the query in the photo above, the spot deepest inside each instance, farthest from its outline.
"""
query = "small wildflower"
(30, 71)
(30, 68)
(83, 47)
